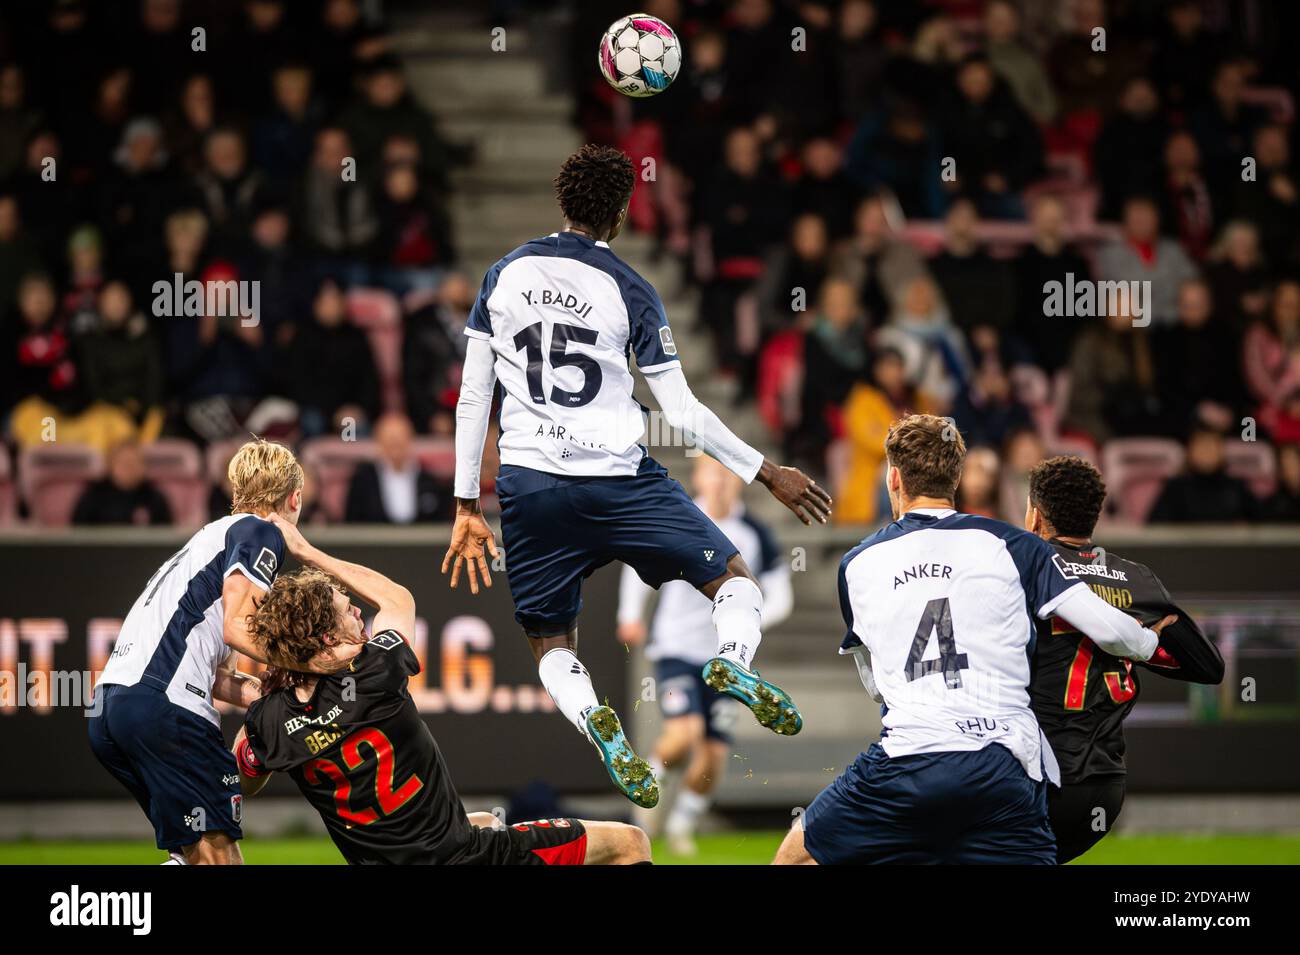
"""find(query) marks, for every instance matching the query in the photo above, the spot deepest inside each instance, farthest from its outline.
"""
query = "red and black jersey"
(363, 757)
(1080, 693)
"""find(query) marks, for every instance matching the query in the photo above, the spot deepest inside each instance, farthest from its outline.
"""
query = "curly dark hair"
(1069, 492)
(594, 185)
(292, 621)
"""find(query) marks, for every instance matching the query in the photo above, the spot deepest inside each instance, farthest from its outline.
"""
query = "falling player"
(1081, 694)
(554, 323)
(959, 774)
(357, 747)
(696, 734)
(154, 725)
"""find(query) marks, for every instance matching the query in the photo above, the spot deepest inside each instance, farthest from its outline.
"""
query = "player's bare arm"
(394, 604)
(236, 688)
(471, 541)
(238, 600)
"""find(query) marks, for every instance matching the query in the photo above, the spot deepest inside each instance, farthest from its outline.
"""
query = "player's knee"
(792, 850)
(214, 849)
(634, 845)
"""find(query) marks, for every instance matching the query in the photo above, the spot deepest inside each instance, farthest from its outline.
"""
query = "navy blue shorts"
(681, 690)
(559, 530)
(970, 808)
(174, 762)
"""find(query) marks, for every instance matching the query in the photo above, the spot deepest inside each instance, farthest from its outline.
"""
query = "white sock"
(175, 858)
(737, 607)
(569, 684)
(686, 813)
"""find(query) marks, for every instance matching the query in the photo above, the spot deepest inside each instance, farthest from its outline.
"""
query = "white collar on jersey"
(932, 511)
(600, 242)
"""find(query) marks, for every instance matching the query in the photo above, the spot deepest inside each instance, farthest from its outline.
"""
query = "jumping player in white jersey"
(555, 323)
(697, 719)
(154, 725)
(946, 604)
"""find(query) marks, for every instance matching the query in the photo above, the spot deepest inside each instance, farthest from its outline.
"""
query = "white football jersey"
(562, 314)
(945, 603)
(172, 638)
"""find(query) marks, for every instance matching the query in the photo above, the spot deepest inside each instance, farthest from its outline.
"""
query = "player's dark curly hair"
(594, 185)
(291, 623)
(1069, 492)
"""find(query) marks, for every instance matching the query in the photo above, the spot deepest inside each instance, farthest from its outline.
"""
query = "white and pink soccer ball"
(639, 55)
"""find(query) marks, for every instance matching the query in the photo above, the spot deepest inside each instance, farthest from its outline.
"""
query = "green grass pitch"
(729, 848)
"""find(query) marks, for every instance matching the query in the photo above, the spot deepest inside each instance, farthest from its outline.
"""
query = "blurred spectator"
(987, 410)
(1271, 200)
(1142, 254)
(979, 290)
(823, 189)
(193, 121)
(432, 352)
(1113, 390)
(395, 489)
(337, 214)
(802, 264)
(895, 148)
(265, 37)
(978, 491)
(1129, 151)
(136, 199)
(996, 145)
(1284, 504)
(1204, 493)
(1021, 453)
(1193, 378)
(18, 255)
(869, 411)
(1225, 124)
(124, 496)
(860, 55)
(228, 188)
(1188, 207)
(835, 358)
(1271, 355)
(1185, 55)
(330, 369)
(18, 119)
(934, 353)
(272, 258)
(85, 278)
(876, 259)
(413, 246)
(120, 363)
(282, 141)
(342, 44)
(1087, 80)
(1239, 275)
(1015, 63)
(1047, 258)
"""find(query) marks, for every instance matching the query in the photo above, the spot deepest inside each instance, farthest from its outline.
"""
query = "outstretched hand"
(471, 542)
(796, 491)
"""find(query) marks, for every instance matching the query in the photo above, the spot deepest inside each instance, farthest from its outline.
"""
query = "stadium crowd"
(869, 197)
(129, 156)
(872, 197)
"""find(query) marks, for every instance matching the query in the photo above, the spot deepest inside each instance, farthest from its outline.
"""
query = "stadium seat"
(437, 456)
(52, 477)
(1253, 462)
(780, 377)
(8, 494)
(218, 457)
(1135, 470)
(176, 468)
(333, 460)
(379, 315)
(1073, 446)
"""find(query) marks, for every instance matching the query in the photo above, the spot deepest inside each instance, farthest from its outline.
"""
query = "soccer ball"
(639, 55)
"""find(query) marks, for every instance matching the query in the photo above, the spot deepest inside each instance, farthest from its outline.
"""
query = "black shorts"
(544, 842)
(1073, 810)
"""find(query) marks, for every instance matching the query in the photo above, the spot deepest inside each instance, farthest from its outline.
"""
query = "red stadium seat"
(333, 460)
(1253, 462)
(176, 468)
(378, 313)
(1136, 470)
(780, 376)
(52, 477)
(8, 493)
(218, 457)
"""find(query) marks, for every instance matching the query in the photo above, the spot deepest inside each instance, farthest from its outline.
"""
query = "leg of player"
(792, 851)
(569, 684)
(615, 843)
(214, 848)
(702, 775)
(737, 609)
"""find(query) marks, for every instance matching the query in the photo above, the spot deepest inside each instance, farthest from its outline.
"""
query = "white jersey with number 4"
(563, 313)
(945, 603)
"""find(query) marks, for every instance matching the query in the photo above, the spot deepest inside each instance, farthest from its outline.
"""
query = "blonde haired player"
(154, 725)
